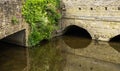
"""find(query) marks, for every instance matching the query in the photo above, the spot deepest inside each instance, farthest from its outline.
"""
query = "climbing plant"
(42, 16)
(14, 20)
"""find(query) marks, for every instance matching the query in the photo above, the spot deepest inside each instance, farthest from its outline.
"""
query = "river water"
(66, 53)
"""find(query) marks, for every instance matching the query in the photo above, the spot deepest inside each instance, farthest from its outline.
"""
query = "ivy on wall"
(42, 16)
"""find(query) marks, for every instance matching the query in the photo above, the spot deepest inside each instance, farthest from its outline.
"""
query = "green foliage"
(42, 16)
(14, 20)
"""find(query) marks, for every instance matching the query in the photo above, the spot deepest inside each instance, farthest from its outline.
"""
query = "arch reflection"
(76, 42)
(115, 45)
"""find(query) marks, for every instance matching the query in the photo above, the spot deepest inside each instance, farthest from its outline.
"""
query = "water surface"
(12, 57)
(66, 53)
(70, 53)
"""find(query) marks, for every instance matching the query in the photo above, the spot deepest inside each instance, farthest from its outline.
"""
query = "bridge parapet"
(102, 8)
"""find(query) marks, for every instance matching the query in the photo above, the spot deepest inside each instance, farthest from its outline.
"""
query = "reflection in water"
(46, 58)
(115, 46)
(75, 42)
(74, 54)
(12, 58)
(62, 54)
(98, 50)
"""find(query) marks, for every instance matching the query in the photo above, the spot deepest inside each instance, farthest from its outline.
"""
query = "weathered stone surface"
(10, 9)
(101, 18)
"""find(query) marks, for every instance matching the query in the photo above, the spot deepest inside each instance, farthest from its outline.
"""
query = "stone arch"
(115, 38)
(17, 38)
(77, 31)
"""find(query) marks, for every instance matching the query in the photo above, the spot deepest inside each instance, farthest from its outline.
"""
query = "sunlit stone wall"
(101, 18)
(11, 20)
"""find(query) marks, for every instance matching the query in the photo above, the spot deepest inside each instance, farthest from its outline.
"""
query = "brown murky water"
(65, 53)
(12, 57)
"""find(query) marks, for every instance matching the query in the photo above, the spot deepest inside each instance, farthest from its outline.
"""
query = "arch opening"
(115, 39)
(18, 38)
(74, 30)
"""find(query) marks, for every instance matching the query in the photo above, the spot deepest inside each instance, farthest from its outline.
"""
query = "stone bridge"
(100, 18)
(13, 29)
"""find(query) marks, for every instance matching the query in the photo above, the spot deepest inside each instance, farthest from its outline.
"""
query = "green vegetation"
(42, 16)
(14, 20)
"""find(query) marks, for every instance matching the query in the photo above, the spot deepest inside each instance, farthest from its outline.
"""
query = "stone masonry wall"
(101, 18)
(10, 9)
(92, 7)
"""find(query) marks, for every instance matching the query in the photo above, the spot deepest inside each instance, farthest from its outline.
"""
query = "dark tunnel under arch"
(115, 39)
(74, 30)
(115, 42)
